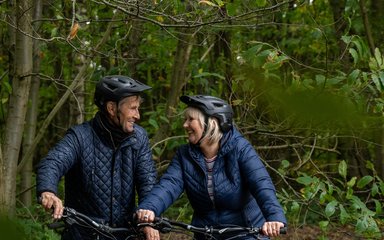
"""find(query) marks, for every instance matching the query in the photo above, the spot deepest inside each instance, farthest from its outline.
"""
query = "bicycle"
(164, 225)
(71, 216)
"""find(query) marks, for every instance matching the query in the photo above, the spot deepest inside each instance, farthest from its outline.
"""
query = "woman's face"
(193, 127)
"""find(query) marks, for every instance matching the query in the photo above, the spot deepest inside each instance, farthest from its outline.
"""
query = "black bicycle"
(71, 216)
(228, 232)
(164, 225)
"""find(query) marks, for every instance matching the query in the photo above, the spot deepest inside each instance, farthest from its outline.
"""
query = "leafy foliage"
(306, 89)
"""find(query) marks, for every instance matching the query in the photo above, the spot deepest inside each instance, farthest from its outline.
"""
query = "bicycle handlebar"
(71, 216)
(165, 225)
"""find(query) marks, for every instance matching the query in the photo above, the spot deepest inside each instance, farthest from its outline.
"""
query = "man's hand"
(49, 201)
(151, 234)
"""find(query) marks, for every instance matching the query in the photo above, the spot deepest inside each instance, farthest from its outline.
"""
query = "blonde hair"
(212, 132)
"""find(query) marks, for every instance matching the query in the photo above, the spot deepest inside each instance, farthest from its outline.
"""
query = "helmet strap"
(204, 132)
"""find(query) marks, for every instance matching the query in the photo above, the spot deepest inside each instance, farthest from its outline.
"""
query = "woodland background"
(305, 79)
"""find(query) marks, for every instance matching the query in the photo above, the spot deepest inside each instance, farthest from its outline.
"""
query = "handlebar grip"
(283, 230)
(56, 225)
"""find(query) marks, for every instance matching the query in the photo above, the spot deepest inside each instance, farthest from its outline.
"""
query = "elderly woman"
(220, 171)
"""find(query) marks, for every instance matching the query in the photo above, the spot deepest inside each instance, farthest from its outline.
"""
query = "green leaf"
(295, 206)
(357, 203)
(165, 119)
(381, 186)
(261, 3)
(352, 182)
(285, 164)
(349, 193)
(378, 207)
(344, 216)
(354, 75)
(355, 55)
(364, 181)
(378, 57)
(153, 123)
(330, 208)
(323, 225)
(237, 102)
(376, 81)
(370, 165)
(207, 3)
(54, 32)
(305, 180)
(381, 77)
(343, 169)
(374, 190)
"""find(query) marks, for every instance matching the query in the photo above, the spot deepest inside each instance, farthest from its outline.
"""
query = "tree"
(32, 112)
(17, 105)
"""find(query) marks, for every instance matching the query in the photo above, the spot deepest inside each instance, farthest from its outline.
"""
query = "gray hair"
(213, 133)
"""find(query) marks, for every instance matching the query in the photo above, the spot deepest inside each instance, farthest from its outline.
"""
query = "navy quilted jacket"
(243, 191)
(99, 180)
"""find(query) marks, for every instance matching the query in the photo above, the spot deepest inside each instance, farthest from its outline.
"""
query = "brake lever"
(160, 224)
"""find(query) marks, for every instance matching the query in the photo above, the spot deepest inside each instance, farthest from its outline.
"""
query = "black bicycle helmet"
(212, 107)
(116, 87)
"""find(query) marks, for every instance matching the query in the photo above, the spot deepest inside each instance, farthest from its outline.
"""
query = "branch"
(139, 12)
(297, 145)
(62, 100)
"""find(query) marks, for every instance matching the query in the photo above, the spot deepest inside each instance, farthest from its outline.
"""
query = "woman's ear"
(111, 108)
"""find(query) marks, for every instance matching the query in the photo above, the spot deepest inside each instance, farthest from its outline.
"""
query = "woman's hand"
(144, 215)
(272, 229)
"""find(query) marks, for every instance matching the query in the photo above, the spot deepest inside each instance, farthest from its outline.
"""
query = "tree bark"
(32, 112)
(338, 8)
(367, 26)
(79, 77)
(17, 104)
(178, 80)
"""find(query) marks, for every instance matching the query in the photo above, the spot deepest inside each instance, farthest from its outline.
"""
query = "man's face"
(126, 113)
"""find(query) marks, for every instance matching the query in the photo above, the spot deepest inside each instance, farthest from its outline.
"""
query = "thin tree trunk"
(367, 26)
(31, 119)
(178, 80)
(79, 77)
(338, 7)
(11, 55)
(17, 104)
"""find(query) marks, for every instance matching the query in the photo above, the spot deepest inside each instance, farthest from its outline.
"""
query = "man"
(103, 160)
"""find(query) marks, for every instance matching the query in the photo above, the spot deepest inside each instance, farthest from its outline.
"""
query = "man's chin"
(129, 130)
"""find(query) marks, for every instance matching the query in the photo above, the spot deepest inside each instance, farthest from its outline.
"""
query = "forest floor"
(302, 233)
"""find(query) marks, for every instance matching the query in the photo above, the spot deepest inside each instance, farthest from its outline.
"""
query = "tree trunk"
(338, 8)
(367, 26)
(17, 104)
(79, 77)
(31, 119)
(178, 80)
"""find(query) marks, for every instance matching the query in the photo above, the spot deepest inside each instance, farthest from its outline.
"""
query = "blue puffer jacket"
(243, 191)
(99, 180)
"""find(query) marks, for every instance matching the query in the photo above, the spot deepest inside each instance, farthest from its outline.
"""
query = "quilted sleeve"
(57, 162)
(145, 171)
(167, 191)
(259, 182)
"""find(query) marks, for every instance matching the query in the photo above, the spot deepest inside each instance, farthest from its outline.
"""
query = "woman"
(221, 173)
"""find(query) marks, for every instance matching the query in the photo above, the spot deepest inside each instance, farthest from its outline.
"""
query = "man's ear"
(111, 108)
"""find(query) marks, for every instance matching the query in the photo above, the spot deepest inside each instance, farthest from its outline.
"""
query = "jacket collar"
(226, 144)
